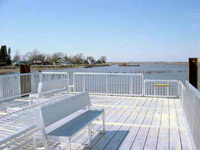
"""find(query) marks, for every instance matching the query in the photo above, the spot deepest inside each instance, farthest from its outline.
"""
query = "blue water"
(155, 71)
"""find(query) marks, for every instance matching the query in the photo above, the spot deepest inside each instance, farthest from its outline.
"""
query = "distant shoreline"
(152, 63)
(13, 69)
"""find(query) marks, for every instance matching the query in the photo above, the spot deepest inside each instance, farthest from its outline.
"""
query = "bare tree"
(56, 56)
(65, 57)
(71, 59)
(35, 56)
(17, 55)
(91, 59)
(79, 58)
(47, 58)
(103, 59)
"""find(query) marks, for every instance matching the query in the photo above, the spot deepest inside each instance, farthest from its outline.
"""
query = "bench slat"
(65, 107)
(76, 124)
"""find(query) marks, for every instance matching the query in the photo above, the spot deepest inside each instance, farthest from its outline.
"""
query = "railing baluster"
(109, 83)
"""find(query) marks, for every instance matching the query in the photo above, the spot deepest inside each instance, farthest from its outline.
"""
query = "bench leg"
(89, 136)
(103, 122)
(34, 143)
(30, 101)
(69, 143)
(44, 140)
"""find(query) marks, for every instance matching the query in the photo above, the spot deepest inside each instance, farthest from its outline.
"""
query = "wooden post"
(25, 80)
(193, 72)
(25, 69)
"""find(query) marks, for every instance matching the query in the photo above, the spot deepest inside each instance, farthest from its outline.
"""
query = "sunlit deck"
(140, 114)
(133, 123)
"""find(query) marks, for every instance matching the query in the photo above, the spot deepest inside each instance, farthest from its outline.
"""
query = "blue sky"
(123, 30)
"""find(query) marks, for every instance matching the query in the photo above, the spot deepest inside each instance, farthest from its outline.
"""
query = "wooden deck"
(137, 123)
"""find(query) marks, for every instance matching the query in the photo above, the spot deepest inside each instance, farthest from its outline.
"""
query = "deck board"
(133, 123)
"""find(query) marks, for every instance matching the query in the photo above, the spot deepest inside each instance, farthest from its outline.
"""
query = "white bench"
(55, 125)
(49, 87)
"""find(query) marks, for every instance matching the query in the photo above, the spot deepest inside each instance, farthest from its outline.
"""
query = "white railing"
(191, 106)
(181, 90)
(9, 86)
(48, 76)
(161, 88)
(15, 85)
(108, 83)
(35, 79)
(95, 83)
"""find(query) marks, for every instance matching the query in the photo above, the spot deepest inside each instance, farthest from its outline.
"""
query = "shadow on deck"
(137, 123)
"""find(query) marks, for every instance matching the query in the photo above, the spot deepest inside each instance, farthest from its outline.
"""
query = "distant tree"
(90, 59)
(4, 57)
(71, 59)
(9, 57)
(56, 56)
(47, 58)
(65, 57)
(103, 59)
(4, 54)
(79, 58)
(17, 55)
(25, 57)
(98, 62)
(35, 57)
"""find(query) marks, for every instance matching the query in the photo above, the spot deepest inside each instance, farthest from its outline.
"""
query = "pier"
(139, 113)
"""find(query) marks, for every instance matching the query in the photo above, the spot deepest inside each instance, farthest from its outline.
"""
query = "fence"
(181, 90)
(109, 83)
(161, 88)
(16, 85)
(47, 76)
(35, 78)
(190, 98)
(95, 83)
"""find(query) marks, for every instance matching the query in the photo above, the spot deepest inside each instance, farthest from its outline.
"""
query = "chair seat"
(76, 124)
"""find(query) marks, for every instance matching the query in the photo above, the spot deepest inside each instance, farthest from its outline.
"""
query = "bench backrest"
(52, 86)
(52, 113)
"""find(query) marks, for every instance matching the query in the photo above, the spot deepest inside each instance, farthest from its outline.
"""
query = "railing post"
(73, 84)
(167, 91)
(32, 82)
(182, 94)
(84, 83)
(68, 83)
(143, 88)
(19, 84)
(106, 85)
(131, 89)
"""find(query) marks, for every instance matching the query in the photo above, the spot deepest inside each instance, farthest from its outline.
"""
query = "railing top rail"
(3, 141)
(196, 91)
(54, 72)
(99, 73)
(14, 74)
(160, 80)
